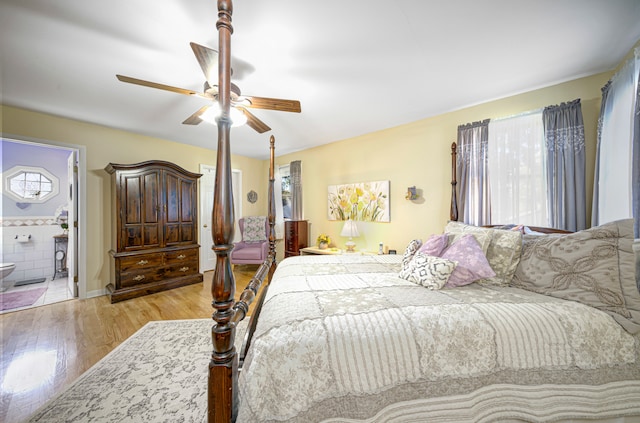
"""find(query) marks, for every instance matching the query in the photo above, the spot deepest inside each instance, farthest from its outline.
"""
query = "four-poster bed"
(345, 338)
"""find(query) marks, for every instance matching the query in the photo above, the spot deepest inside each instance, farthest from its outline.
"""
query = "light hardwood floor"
(46, 348)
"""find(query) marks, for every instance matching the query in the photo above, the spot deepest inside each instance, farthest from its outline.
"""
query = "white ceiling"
(357, 66)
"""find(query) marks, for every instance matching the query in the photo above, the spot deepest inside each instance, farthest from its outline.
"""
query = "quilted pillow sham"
(595, 267)
(472, 263)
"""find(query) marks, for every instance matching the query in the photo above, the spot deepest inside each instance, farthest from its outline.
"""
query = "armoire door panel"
(132, 204)
(187, 202)
(151, 197)
(133, 236)
(151, 235)
(171, 234)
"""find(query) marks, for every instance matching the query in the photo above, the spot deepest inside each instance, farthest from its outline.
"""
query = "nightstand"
(317, 251)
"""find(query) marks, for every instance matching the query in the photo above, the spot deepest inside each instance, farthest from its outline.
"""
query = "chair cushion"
(249, 253)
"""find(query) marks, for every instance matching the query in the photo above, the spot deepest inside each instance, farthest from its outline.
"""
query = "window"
(30, 184)
(517, 170)
(285, 176)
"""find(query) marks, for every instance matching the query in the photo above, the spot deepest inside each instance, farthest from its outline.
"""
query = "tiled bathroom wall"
(34, 258)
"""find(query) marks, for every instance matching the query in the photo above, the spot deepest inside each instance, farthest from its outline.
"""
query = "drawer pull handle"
(184, 269)
(181, 256)
(143, 262)
(138, 278)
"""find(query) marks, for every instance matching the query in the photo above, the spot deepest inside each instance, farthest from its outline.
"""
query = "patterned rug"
(159, 374)
(11, 300)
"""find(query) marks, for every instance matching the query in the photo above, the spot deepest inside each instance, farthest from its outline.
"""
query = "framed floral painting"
(363, 201)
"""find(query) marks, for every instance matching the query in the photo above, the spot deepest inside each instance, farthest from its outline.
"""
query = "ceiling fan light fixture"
(212, 114)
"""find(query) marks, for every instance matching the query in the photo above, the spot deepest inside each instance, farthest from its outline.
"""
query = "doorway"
(207, 185)
(42, 239)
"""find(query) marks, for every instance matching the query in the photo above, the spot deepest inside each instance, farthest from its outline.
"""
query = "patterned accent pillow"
(428, 271)
(456, 229)
(409, 252)
(472, 263)
(595, 267)
(502, 251)
(254, 229)
(435, 245)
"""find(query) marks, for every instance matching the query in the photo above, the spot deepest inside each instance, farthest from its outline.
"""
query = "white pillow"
(429, 271)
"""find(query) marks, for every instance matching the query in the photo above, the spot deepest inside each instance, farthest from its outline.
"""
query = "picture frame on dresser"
(154, 228)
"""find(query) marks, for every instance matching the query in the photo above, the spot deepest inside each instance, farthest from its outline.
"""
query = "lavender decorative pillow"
(472, 263)
(435, 245)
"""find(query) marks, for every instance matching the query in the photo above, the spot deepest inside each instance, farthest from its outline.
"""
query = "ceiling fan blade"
(195, 119)
(253, 122)
(159, 86)
(208, 60)
(272, 104)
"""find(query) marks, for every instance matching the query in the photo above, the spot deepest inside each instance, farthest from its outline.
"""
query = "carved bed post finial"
(223, 367)
(453, 212)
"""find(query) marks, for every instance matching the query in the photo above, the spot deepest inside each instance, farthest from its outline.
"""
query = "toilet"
(5, 270)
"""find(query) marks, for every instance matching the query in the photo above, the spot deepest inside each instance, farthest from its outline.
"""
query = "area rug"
(159, 374)
(10, 300)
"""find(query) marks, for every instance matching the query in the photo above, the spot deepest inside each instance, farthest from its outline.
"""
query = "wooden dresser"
(154, 228)
(296, 236)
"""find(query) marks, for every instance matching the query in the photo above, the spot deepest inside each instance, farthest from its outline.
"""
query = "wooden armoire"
(154, 221)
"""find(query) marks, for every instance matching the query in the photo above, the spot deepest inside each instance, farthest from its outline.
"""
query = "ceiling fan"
(208, 60)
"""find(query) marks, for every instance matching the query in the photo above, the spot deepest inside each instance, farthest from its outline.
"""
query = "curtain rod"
(530, 112)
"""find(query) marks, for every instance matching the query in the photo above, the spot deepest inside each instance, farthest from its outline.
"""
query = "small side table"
(317, 251)
(60, 256)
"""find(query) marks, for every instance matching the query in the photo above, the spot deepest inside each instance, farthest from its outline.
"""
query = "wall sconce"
(412, 193)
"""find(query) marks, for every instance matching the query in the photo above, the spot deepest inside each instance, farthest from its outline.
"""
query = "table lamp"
(350, 229)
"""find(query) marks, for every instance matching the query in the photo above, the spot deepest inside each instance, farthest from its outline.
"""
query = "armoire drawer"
(140, 261)
(177, 270)
(138, 277)
(180, 256)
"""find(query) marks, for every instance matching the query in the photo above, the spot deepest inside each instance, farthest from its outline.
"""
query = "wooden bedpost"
(223, 367)
(453, 212)
(272, 206)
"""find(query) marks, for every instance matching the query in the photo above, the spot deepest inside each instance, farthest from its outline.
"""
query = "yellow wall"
(105, 145)
(419, 154)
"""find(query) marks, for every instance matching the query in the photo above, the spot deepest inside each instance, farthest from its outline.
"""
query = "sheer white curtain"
(517, 171)
(613, 187)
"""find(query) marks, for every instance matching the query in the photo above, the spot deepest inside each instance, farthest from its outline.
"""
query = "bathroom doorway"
(40, 224)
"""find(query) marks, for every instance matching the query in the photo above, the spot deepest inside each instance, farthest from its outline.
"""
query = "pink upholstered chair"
(254, 247)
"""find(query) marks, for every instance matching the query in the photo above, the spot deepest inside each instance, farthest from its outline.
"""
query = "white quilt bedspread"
(342, 338)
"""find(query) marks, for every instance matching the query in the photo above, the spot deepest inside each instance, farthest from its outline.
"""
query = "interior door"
(207, 185)
(72, 221)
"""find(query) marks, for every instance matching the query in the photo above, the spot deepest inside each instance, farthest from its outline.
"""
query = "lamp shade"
(350, 229)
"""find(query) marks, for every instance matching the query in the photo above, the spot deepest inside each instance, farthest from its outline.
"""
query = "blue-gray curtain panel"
(596, 177)
(471, 168)
(564, 140)
(635, 181)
